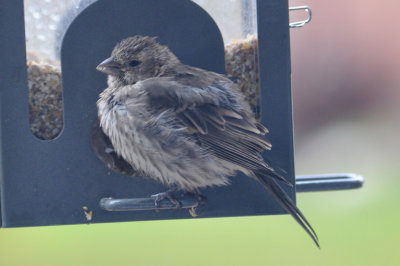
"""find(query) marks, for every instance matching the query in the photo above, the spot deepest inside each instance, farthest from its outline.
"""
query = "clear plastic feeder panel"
(42, 27)
(237, 21)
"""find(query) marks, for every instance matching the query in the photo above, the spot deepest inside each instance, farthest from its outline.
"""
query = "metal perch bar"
(143, 204)
(303, 184)
(326, 182)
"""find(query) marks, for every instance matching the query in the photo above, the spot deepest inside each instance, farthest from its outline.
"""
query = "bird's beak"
(110, 67)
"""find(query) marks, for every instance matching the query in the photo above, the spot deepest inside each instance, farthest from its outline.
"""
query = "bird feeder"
(49, 170)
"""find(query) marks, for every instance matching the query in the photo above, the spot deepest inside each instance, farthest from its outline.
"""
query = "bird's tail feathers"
(270, 173)
(283, 199)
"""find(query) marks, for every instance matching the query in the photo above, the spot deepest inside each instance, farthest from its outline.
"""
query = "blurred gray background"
(346, 88)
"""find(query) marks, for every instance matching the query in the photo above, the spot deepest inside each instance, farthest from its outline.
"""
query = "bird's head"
(137, 58)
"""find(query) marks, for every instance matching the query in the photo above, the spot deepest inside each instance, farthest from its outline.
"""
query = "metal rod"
(304, 183)
(188, 201)
(326, 182)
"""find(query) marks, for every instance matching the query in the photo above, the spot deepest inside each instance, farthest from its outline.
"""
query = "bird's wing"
(214, 114)
(222, 127)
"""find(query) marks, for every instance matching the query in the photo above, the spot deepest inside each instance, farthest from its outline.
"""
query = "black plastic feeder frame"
(61, 181)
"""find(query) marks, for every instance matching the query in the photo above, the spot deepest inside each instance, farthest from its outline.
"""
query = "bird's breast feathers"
(152, 141)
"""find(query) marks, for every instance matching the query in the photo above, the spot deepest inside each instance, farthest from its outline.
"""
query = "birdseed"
(45, 100)
(241, 64)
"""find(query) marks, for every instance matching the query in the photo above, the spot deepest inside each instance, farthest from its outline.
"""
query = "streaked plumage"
(183, 126)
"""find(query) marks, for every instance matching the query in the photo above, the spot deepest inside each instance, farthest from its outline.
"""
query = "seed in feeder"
(45, 99)
(241, 64)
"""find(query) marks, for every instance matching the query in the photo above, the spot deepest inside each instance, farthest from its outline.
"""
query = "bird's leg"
(170, 195)
(201, 198)
(202, 201)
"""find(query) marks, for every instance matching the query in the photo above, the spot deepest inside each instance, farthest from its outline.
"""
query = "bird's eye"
(134, 63)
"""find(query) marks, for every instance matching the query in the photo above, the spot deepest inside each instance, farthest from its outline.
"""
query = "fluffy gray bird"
(185, 127)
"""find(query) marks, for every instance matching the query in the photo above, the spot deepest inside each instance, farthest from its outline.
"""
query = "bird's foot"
(169, 195)
(202, 201)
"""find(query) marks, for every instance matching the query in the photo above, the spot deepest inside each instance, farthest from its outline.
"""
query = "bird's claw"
(202, 201)
(169, 195)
